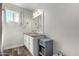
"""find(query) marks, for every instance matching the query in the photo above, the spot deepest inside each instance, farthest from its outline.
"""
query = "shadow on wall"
(56, 49)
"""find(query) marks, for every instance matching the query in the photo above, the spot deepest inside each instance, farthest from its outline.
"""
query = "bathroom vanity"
(31, 42)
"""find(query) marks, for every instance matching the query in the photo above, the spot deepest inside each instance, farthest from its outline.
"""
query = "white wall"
(13, 36)
(62, 25)
(27, 20)
(13, 32)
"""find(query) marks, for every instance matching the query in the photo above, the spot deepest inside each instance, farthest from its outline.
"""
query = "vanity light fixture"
(37, 13)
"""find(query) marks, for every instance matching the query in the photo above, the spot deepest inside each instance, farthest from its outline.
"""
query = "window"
(12, 16)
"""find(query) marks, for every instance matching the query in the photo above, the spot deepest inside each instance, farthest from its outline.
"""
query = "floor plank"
(19, 51)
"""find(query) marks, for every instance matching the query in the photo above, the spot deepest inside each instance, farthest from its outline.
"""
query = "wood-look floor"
(19, 51)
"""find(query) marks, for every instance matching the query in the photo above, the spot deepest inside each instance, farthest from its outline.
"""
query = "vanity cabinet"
(31, 43)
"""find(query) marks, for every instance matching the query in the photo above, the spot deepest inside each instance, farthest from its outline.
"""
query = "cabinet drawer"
(32, 44)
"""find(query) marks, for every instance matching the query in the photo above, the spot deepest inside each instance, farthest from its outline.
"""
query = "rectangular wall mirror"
(38, 21)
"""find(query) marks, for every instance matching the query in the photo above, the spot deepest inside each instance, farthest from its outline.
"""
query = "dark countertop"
(35, 34)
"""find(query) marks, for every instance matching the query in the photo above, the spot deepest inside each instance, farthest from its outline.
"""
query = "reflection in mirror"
(38, 21)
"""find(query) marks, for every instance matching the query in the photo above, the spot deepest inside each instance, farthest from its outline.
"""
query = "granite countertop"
(34, 34)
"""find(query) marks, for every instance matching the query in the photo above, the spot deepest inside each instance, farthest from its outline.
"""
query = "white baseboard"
(14, 46)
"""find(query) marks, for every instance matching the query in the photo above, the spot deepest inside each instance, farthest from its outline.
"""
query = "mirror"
(38, 21)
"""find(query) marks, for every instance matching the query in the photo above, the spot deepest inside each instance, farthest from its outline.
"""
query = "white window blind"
(12, 16)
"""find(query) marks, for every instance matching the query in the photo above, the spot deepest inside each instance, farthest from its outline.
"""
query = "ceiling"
(32, 6)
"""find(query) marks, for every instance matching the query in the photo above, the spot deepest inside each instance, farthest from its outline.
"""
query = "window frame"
(13, 16)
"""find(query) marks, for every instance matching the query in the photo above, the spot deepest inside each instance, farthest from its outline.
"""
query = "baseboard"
(14, 46)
